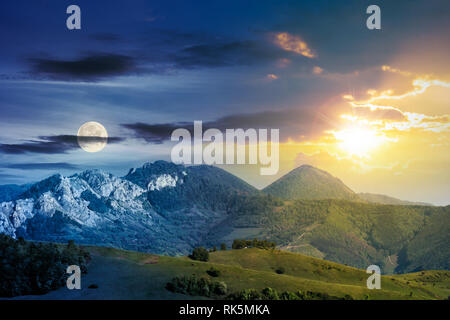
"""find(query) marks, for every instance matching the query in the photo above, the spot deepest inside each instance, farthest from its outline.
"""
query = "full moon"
(92, 136)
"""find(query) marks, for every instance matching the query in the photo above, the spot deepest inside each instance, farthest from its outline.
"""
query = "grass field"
(123, 274)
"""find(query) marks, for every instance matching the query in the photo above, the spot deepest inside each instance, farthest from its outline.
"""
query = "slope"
(384, 199)
(132, 275)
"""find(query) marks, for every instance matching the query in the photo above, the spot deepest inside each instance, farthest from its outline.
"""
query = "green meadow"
(144, 276)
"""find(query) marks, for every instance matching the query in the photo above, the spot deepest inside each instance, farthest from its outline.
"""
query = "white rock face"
(66, 196)
(13, 214)
(163, 181)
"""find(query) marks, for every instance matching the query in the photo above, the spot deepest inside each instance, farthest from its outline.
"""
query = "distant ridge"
(384, 199)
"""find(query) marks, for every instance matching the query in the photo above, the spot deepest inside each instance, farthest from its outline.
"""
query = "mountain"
(160, 207)
(174, 187)
(383, 199)
(307, 182)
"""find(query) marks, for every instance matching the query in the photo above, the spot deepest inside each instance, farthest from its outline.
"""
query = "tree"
(223, 246)
(71, 244)
(200, 254)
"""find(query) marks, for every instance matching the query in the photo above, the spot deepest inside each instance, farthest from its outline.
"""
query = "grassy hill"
(132, 275)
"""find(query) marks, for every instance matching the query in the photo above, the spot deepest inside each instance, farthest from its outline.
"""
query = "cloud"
(379, 113)
(296, 124)
(226, 54)
(437, 119)
(156, 133)
(293, 43)
(92, 67)
(395, 70)
(52, 144)
(317, 70)
(163, 56)
(41, 166)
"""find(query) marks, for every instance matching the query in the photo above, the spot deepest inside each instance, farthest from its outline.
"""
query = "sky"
(369, 106)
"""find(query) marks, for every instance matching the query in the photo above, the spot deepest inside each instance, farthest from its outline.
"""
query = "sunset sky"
(369, 106)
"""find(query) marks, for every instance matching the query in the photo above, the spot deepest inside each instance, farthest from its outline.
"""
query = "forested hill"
(398, 238)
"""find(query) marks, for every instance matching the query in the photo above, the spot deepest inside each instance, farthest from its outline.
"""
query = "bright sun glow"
(358, 141)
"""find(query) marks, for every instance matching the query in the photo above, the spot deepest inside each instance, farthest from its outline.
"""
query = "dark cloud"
(156, 133)
(90, 67)
(304, 123)
(52, 144)
(166, 53)
(41, 166)
(226, 54)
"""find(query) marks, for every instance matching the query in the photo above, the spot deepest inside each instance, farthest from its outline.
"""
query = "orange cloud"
(394, 70)
(293, 43)
(317, 70)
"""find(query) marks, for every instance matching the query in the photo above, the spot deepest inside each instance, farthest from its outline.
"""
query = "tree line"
(36, 268)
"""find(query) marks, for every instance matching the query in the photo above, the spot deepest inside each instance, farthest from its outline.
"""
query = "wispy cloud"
(293, 43)
(317, 70)
(374, 108)
(52, 144)
(40, 166)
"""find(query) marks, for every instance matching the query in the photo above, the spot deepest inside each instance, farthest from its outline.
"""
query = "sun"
(358, 141)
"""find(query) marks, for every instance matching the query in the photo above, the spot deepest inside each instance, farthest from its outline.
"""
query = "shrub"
(255, 243)
(219, 288)
(280, 270)
(196, 286)
(272, 294)
(213, 272)
(246, 294)
(287, 295)
(269, 294)
(200, 254)
(223, 246)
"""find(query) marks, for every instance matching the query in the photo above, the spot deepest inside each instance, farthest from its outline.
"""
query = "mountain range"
(169, 209)
(160, 207)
